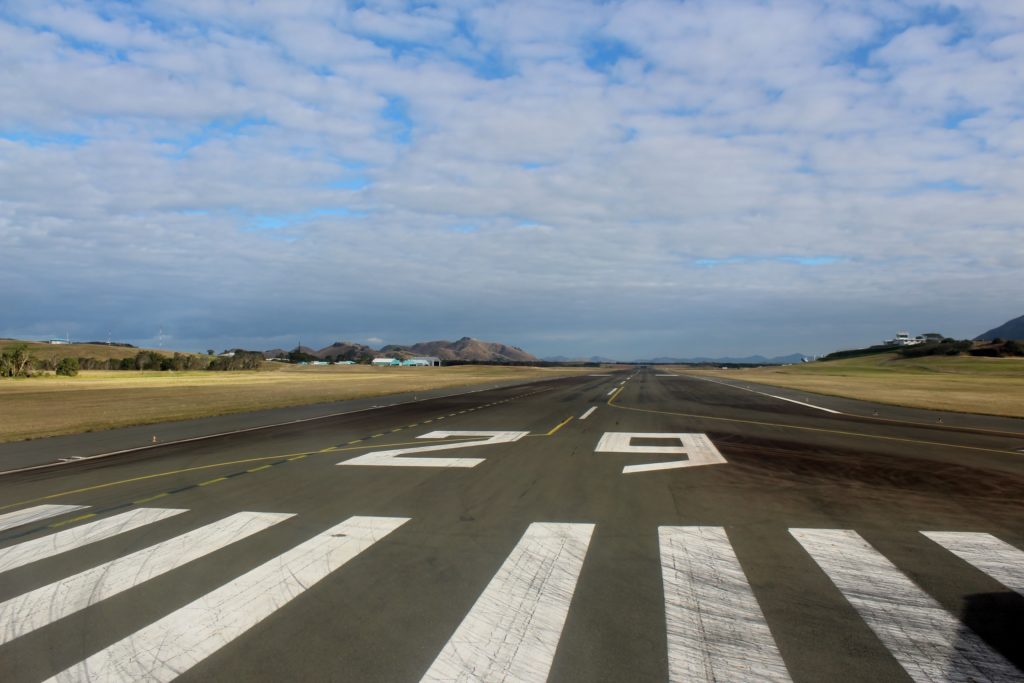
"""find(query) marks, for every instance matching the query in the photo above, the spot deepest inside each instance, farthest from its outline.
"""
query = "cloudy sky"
(625, 178)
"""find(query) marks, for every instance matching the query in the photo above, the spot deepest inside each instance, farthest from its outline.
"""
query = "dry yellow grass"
(95, 400)
(991, 386)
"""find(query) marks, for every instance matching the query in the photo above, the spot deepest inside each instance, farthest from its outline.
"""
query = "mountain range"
(465, 349)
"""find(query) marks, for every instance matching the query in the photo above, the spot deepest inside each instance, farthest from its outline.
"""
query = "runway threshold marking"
(997, 558)
(70, 539)
(716, 630)
(929, 643)
(35, 514)
(43, 606)
(512, 631)
(170, 646)
(819, 430)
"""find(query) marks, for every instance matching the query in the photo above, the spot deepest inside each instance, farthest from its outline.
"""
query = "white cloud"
(145, 150)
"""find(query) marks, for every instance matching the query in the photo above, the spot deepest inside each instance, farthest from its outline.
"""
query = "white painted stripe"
(45, 605)
(716, 630)
(587, 414)
(167, 648)
(76, 537)
(761, 393)
(513, 629)
(997, 558)
(929, 643)
(34, 514)
(611, 392)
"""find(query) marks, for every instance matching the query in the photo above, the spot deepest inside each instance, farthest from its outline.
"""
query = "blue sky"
(629, 178)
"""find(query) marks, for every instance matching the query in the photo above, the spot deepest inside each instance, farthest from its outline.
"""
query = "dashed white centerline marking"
(512, 631)
(611, 392)
(929, 643)
(165, 649)
(587, 414)
(716, 631)
(34, 514)
(76, 537)
(998, 559)
(45, 605)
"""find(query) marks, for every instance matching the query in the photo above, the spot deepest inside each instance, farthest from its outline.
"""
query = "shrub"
(68, 367)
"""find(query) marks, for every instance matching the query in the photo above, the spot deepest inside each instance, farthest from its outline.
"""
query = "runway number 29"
(697, 447)
(396, 458)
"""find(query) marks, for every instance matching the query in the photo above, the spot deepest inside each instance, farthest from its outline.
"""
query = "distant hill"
(591, 359)
(1012, 329)
(465, 349)
(750, 360)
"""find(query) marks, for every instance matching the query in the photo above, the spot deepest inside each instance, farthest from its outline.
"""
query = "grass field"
(992, 386)
(55, 352)
(95, 400)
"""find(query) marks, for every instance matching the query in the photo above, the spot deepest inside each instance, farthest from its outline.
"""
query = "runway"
(629, 525)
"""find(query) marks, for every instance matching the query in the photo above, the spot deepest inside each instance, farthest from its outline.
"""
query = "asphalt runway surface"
(628, 525)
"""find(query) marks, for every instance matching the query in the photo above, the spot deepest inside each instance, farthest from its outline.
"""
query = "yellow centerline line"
(79, 518)
(86, 489)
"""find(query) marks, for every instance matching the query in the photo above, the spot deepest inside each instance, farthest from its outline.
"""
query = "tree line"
(18, 361)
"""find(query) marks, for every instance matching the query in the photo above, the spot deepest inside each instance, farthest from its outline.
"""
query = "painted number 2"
(396, 458)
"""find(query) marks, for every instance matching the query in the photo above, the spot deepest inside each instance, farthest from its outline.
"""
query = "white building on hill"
(904, 339)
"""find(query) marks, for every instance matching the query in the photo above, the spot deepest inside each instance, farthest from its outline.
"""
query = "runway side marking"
(716, 630)
(57, 600)
(70, 539)
(697, 447)
(34, 514)
(394, 458)
(929, 643)
(998, 559)
(513, 629)
(762, 393)
(165, 649)
(587, 414)
(819, 430)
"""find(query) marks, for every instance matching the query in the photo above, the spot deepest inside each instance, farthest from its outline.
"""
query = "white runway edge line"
(929, 643)
(716, 630)
(512, 631)
(45, 605)
(34, 514)
(781, 398)
(587, 414)
(167, 648)
(998, 559)
(76, 537)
